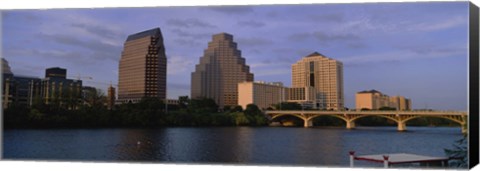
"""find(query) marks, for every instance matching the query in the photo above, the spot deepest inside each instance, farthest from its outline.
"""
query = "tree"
(288, 106)
(237, 109)
(254, 115)
(252, 110)
(387, 108)
(183, 102)
(204, 105)
(459, 153)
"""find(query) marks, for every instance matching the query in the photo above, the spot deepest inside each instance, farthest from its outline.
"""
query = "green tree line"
(149, 112)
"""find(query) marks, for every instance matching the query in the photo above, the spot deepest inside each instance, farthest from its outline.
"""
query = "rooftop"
(151, 32)
(370, 91)
(315, 54)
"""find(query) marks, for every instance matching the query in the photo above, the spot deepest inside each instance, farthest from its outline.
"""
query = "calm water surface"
(319, 146)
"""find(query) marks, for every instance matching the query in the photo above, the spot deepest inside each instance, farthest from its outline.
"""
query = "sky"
(417, 50)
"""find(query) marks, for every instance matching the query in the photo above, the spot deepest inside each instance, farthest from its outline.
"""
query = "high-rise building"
(220, 70)
(110, 97)
(325, 75)
(262, 94)
(142, 67)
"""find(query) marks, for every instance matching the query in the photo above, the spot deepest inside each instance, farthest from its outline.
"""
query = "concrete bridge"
(400, 117)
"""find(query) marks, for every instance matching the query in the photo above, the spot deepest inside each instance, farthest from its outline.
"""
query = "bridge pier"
(464, 128)
(401, 126)
(350, 124)
(307, 123)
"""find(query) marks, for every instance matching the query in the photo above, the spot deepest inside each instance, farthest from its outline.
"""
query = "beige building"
(325, 75)
(375, 100)
(401, 103)
(305, 96)
(142, 67)
(220, 70)
(262, 94)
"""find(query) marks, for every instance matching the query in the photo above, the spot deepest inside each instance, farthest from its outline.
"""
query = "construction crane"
(78, 77)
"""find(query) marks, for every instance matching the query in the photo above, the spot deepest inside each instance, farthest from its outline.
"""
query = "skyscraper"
(142, 70)
(220, 70)
(111, 97)
(325, 74)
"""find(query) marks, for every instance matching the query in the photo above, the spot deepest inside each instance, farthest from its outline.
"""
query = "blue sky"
(417, 50)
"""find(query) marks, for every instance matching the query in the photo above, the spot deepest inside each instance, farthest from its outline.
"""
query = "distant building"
(87, 93)
(57, 90)
(325, 75)
(110, 97)
(374, 100)
(143, 67)
(21, 90)
(220, 70)
(305, 96)
(401, 103)
(262, 94)
(56, 72)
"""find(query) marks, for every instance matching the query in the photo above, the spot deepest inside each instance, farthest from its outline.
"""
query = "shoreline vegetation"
(150, 113)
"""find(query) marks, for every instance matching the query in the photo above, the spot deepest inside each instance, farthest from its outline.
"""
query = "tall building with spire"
(325, 75)
(220, 70)
(142, 70)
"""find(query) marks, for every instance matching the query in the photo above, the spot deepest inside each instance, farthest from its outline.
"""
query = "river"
(282, 146)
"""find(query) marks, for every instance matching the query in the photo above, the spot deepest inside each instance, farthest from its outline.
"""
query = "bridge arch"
(382, 116)
(456, 120)
(334, 115)
(290, 114)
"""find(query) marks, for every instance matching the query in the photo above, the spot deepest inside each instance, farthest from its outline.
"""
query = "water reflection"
(234, 145)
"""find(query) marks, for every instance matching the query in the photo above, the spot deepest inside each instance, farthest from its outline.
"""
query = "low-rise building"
(305, 96)
(262, 94)
(374, 100)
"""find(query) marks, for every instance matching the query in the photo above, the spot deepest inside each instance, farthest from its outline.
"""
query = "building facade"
(325, 75)
(305, 96)
(57, 90)
(56, 72)
(401, 103)
(110, 97)
(219, 71)
(262, 94)
(374, 100)
(19, 90)
(143, 67)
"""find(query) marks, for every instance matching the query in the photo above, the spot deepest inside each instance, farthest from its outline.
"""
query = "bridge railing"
(371, 112)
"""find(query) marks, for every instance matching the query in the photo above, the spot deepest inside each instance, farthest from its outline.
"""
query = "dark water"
(319, 146)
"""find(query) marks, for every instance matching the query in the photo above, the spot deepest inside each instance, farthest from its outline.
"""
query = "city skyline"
(398, 54)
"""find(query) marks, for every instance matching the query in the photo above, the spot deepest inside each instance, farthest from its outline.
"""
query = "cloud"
(406, 55)
(439, 25)
(251, 23)
(191, 43)
(272, 72)
(97, 30)
(190, 23)
(337, 18)
(253, 41)
(230, 10)
(103, 50)
(178, 65)
(323, 37)
(184, 34)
